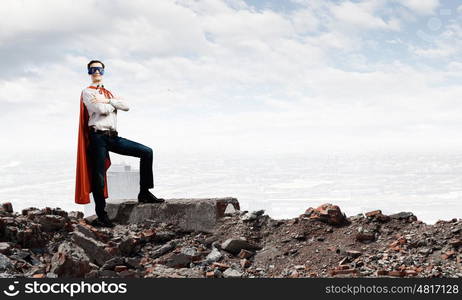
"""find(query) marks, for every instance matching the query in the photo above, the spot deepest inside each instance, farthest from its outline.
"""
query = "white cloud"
(425, 7)
(22, 19)
(445, 44)
(362, 14)
(305, 21)
(435, 52)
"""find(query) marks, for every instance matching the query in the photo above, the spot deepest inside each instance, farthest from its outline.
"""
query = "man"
(97, 136)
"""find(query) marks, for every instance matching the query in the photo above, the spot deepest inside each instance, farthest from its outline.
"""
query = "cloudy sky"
(237, 76)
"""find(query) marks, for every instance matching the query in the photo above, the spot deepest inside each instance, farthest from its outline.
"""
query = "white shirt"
(102, 115)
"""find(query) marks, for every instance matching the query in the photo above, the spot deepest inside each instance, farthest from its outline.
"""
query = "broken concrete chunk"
(234, 246)
(188, 214)
(52, 222)
(94, 249)
(232, 273)
(327, 213)
(70, 261)
(163, 249)
(214, 256)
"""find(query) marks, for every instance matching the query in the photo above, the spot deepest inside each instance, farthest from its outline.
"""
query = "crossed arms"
(99, 104)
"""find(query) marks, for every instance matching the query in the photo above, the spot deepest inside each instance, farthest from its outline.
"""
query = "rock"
(70, 261)
(309, 211)
(163, 236)
(188, 214)
(401, 215)
(24, 256)
(166, 272)
(127, 273)
(210, 274)
(299, 236)
(353, 253)
(344, 261)
(216, 244)
(133, 262)
(294, 274)
(234, 246)
(343, 271)
(178, 260)
(10, 233)
(425, 251)
(214, 256)
(31, 211)
(164, 249)
(220, 266)
(258, 213)
(373, 213)
(218, 273)
(382, 218)
(365, 236)
(357, 217)
(267, 253)
(248, 217)
(211, 240)
(328, 213)
(190, 251)
(76, 214)
(31, 237)
(127, 246)
(378, 216)
(455, 242)
(230, 209)
(59, 212)
(232, 273)
(8, 207)
(448, 254)
(381, 272)
(5, 248)
(455, 230)
(94, 249)
(85, 230)
(113, 251)
(410, 273)
(245, 254)
(5, 263)
(120, 268)
(52, 222)
(148, 235)
(245, 263)
(112, 263)
(396, 273)
(107, 274)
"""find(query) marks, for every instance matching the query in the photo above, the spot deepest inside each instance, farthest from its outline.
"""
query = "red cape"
(83, 170)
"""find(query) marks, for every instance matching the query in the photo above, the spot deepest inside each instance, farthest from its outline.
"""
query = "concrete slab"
(200, 214)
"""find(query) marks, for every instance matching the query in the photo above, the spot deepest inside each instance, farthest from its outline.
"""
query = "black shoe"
(147, 197)
(104, 222)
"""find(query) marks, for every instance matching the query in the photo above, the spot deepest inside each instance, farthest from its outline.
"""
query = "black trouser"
(100, 144)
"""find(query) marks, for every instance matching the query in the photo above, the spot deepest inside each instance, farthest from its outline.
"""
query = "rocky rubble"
(322, 242)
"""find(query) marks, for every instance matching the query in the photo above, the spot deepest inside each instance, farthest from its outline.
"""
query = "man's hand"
(97, 98)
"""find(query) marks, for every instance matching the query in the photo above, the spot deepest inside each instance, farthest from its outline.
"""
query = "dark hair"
(94, 61)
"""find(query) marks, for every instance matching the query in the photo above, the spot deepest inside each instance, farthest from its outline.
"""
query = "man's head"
(95, 70)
